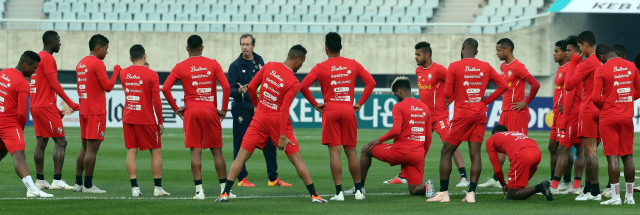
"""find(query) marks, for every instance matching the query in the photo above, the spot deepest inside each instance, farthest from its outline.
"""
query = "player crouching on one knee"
(524, 157)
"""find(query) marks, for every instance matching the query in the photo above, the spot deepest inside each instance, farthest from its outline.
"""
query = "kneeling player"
(140, 128)
(411, 132)
(524, 156)
(13, 116)
(278, 88)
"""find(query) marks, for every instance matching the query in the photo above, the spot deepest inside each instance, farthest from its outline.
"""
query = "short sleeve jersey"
(617, 78)
(514, 74)
(139, 82)
(558, 90)
(470, 78)
(91, 95)
(431, 82)
(42, 95)
(12, 82)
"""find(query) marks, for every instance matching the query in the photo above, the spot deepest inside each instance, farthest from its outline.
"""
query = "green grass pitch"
(111, 175)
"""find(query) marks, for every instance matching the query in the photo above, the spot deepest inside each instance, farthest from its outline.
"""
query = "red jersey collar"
(514, 60)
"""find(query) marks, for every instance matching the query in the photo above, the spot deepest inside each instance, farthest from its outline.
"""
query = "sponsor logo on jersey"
(341, 89)
(509, 73)
(441, 124)
(83, 95)
(621, 83)
(83, 72)
(419, 115)
(4, 85)
(131, 84)
(199, 76)
(126, 90)
(558, 87)
(625, 99)
(424, 87)
(269, 104)
(33, 81)
(341, 99)
(334, 82)
(33, 90)
(414, 108)
(275, 75)
(466, 83)
(196, 83)
(509, 84)
(624, 90)
(2, 109)
(279, 85)
(194, 69)
(412, 122)
(269, 96)
(130, 76)
(203, 90)
(5, 77)
(473, 100)
(417, 129)
(102, 133)
(3, 92)
(81, 65)
(339, 75)
(1, 99)
(621, 76)
(473, 76)
(471, 69)
(429, 76)
(133, 98)
(473, 90)
(619, 69)
(206, 99)
(416, 138)
(82, 79)
(82, 86)
(334, 68)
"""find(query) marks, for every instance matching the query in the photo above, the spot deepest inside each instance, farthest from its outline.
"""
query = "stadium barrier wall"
(375, 114)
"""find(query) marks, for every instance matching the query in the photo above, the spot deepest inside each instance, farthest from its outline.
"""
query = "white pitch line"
(189, 198)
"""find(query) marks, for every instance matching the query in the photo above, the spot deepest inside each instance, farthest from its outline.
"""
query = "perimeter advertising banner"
(375, 114)
(595, 6)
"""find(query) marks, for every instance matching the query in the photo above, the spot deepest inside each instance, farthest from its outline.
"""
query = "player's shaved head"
(506, 43)
(604, 52)
(401, 83)
(333, 42)
(424, 47)
(620, 50)
(587, 37)
(97, 40)
(194, 42)
(471, 44)
(297, 52)
(49, 37)
(499, 128)
(136, 52)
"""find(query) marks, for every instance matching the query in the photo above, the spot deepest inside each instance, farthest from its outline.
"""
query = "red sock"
(576, 183)
(554, 184)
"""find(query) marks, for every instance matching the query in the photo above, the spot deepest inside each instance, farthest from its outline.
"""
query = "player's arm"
(306, 83)
(23, 102)
(101, 72)
(502, 86)
(442, 75)
(166, 88)
(428, 135)
(535, 86)
(50, 72)
(369, 82)
(495, 162)
(286, 104)
(396, 129)
(155, 97)
(576, 75)
(253, 87)
(450, 83)
(598, 83)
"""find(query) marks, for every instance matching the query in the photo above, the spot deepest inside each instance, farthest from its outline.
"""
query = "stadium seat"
(508, 3)
(136, 26)
(286, 9)
(231, 28)
(162, 8)
(84, 16)
(357, 10)
(293, 2)
(384, 10)
(150, 1)
(376, 2)
(259, 28)
(166, 18)
(301, 9)
(273, 29)
(120, 7)
(386, 29)
(524, 23)
(217, 9)
(64, 7)
(77, 7)
(404, 3)
(329, 10)
(503, 28)
(127, 1)
(45, 26)
(55, 16)
(330, 28)
(502, 11)
(316, 29)
(508, 18)
(349, 3)
(421, 19)
(370, 11)
(406, 19)
(273, 9)
(391, 2)
(322, 2)
(307, 2)
(185, 17)
(106, 7)
(495, 19)
(516, 11)
(176, 8)
(231, 9)
(134, 8)
(121, 26)
(266, 18)
(182, 1)
(148, 27)
(49, 7)
(279, 2)
(149, 8)
(237, 18)
(342, 11)
(224, 2)
(426, 11)
(190, 8)
(217, 28)
(523, 3)
(489, 11)
(415, 30)
(401, 30)
(475, 30)
(489, 30)
(373, 29)
(315, 10)
(251, 18)
(393, 19)
(244, 28)
(537, 3)
(335, 2)
(412, 11)
(259, 9)
(206, 27)
(245, 9)
(336, 19)
(287, 29)
(495, 3)
(530, 11)
(482, 19)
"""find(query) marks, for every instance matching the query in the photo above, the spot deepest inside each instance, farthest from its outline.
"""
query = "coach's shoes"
(629, 201)
(223, 197)
(464, 182)
(571, 190)
(42, 184)
(429, 190)
(60, 185)
(359, 195)
(278, 183)
(612, 202)
(77, 188)
(338, 197)
(34, 192)
(491, 183)
(200, 195)
(93, 189)
(470, 198)
(396, 180)
(158, 191)
(245, 183)
(135, 192)
(564, 186)
(353, 190)
(547, 191)
(317, 199)
(440, 197)
(607, 193)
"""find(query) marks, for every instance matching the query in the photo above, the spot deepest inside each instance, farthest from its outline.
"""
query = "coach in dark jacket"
(241, 72)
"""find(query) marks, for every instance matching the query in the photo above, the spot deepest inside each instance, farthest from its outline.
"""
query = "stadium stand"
(504, 10)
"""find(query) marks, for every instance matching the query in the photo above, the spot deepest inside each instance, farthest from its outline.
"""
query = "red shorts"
(589, 125)
(47, 122)
(617, 136)
(555, 131)
(523, 167)
(202, 129)
(339, 128)
(467, 129)
(141, 137)
(11, 139)
(569, 136)
(263, 128)
(516, 121)
(412, 164)
(92, 127)
(441, 127)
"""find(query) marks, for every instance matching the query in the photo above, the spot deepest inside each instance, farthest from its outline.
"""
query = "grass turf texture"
(111, 175)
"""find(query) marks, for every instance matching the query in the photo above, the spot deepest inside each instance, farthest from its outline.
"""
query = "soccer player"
(589, 113)
(515, 113)
(241, 72)
(93, 82)
(14, 96)
(411, 134)
(559, 57)
(524, 157)
(141, 131)
(47, 120)
(202, 129)
(468, 80)
(620, 50)
(337, 76)
(278, 88)
(616, 86)
(568, 125)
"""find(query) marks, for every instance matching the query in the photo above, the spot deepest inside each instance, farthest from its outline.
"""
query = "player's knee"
(62, 143)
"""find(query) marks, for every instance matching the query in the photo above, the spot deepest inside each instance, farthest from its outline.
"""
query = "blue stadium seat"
(329, 10)
(371, 10)
(349, 3)
(273, 29)
(162, 8)
(495, 19)
(433, 3)
(217, 9)
(286, 9)
(64, 7)
(161, 27)
(175, 8)
(245, 9)
(421, 19)
(301, 9)
(45, 26)
(204, 9)
(315, 10)
(244, 29)
(77, 7)
(231, 9)
(137, 26)
(386, 29)
(523, 3)
(308, 18)
(398, 10)
(259, 9)
(482, 19)
(55, 16)
(183, 1)
(475, 30)
(149, 8)
(207, 27)
(335, 2)
(217, 28)
(342, 11)
(391, 2)
(516, 11)
(121, 26)
(401, 30)
(185, 17)
(413, 11)
(148, 27)
(279, 2)
(336, 19)
(292, 28)
(404, 3)
(393, 19)
(376, 2)
(426, 11)
(361, 29)
(489, 11)
(357, 10)
(537, 3)
(127, 1)
(524, 23)
(322, 2)
(530, 11)
(363, 2)
(489, 30)
(316, 29)
(273, 9)
(84, 16)
(287, 29)
(120, 7)
(406, 19)
(173, 27)
(190, 8)
(253, 2)
(503, 29)
(330, 28)
(106, 7)
(495, 3)
(252, 18)
(260, 28)
(134, 8)
(322, 19)
(224, 2)
(49, 7)
(379, 19)
(418, 3)
(373, 29)
(266, 18)
(163, 1)
(502, 11)
(384, 10)
(266, 2)
(508, 3)
(415, 30)
(307, 2)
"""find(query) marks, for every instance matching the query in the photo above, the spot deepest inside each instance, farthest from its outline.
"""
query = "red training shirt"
(411, 130)
(558, 90)
(45, 85)
(279, 87)
(508, 143)
(516, 74)
(584, 73)
(571, 107)
(198, 75)
(142, 92)
(14, 93)
(431, 81)
(337, 77)
(93, 82)
(468, 79)
(617, 81)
